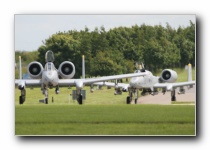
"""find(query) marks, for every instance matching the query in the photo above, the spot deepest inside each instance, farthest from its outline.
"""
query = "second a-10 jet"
(150, 84)
(48, 77)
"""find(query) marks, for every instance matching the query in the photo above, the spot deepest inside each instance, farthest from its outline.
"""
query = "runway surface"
(189, 96)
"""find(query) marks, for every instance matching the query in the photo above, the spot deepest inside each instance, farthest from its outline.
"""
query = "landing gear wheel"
(80, 99)
(22, 97)
(20, 100)
(46, 101)
(173, 95)
(136, 100)
(173, 98)
(128, 101)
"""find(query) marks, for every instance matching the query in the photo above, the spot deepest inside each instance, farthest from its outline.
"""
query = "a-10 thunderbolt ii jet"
(149, 84)
(48, 77)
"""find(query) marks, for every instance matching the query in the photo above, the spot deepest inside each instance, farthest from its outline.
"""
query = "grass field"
(104, 120)
(103, 113)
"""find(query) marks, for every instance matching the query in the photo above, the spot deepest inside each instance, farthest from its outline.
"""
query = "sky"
(32, 30)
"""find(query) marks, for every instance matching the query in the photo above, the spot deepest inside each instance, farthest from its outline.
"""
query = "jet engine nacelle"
(66, 70)
(35, 70)
(168, 75)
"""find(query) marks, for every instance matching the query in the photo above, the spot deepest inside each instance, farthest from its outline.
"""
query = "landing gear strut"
(57, 90)
(45, 91)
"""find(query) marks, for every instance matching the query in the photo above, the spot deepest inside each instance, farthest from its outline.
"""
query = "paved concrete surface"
(189, 96)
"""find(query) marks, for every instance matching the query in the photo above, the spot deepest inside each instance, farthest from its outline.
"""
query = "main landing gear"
(130, 97)
(173, 95)
(136, 93)
(45, 92)
(23, 96)
(79, 97)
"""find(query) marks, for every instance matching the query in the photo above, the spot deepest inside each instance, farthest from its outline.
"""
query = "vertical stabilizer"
(20, 68)
(83, 66)
(189, 72)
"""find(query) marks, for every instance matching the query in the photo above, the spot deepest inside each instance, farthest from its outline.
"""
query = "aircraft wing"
(111, 84)
(114, 77)
(171, 86)
(32, 82)
(68, 82)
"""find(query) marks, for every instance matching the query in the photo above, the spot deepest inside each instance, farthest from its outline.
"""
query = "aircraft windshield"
(49, 56)
(140, 66)
(49, 66)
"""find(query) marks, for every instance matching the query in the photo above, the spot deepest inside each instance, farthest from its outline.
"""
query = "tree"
(64, 47)
(116, 50)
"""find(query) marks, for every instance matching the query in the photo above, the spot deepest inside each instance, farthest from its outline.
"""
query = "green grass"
(104, 96)
(104, 120)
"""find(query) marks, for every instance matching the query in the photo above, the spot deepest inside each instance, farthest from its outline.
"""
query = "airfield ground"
(188, 98)
(136, 120)
(103, 113)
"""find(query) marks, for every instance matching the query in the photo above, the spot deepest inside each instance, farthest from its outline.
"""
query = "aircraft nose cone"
(137, 82)
(50, 77)
(133, 82)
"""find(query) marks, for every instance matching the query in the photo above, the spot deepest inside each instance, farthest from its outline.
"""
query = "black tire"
(80, 99)
(46, 100)
(173, 98)
(20, 100)
(128, 101)
(136, 100)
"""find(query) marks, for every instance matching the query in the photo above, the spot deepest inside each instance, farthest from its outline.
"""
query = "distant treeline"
(115, 51)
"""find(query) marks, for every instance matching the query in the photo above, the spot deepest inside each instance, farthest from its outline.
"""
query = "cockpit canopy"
(140, 67)
(49, 66)
(49, 56)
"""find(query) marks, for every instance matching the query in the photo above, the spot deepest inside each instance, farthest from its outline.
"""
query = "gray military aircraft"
(48, 77)
(149, 84)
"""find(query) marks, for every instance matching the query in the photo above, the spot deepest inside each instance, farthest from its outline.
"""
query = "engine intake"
(35, 70)
(66, 70)
(168, 75)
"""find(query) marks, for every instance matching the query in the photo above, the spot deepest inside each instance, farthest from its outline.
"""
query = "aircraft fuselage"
(50, 75)
(146, 81)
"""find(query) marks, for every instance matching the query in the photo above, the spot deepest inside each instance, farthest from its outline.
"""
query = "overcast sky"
(31, 30)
